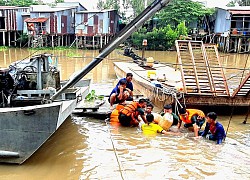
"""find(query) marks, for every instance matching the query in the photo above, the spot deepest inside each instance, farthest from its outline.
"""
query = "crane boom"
(115, 42)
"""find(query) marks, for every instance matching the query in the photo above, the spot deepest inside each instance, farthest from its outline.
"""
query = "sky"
(91, 4)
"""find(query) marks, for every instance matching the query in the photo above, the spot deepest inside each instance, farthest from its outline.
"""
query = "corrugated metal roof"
(32, 20)
(46, 8)
(96, 11)
(7, 7)
(239, 12)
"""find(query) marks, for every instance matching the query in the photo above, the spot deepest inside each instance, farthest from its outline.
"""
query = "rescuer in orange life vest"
(193, 118)
(129, 114)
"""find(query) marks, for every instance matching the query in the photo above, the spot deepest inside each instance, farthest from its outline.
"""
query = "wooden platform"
(99, 109)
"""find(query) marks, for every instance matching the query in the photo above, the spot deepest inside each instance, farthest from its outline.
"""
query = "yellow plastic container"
(150, 62)
(151, 74)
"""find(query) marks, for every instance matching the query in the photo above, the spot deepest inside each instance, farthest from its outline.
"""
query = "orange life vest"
(130, 108)
(191, 113)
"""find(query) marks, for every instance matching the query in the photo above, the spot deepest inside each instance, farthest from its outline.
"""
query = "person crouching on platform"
(214, 130)
(129, 114)
(129, 85)
(119, 94)
(193, 119)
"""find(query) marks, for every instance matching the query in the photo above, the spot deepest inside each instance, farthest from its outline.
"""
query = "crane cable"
(121, 169)
(233, 104)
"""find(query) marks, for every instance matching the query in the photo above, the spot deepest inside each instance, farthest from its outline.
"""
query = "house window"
(2, 23)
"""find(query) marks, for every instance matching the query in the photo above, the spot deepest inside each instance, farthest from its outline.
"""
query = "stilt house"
(11, 25)
(51, 26)
(95, 28)
(232, 28)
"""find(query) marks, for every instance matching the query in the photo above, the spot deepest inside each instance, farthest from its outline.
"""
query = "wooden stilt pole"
(62, 40)
(15, 38)
(52, 41)
(9, 38)
(239, 45)
(4, 38)
(235, 45)
(101, 41)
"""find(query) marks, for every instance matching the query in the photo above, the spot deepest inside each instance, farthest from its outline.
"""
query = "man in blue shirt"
(119, 94)
(214, 130)
(129, 84)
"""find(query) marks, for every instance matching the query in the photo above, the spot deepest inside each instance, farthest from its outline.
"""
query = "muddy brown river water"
(87, 148)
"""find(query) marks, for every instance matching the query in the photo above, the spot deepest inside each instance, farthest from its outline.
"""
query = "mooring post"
(248, 111)
(144, 44)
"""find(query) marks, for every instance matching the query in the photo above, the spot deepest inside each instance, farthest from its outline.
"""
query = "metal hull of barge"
(24, 129)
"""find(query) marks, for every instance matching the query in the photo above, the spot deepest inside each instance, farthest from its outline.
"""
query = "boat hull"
(23, 130)
(160, 98)
(143, 86)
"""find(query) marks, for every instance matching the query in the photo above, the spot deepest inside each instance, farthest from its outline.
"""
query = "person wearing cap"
(214, 130)
(129, 84)
(193, 119)
(119, 94)
(168, 109)
(128, 115)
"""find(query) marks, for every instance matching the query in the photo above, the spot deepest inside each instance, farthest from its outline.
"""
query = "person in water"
(119, 94)
(214, 130)
(129, 84)
(129, 114)
(168, 109)
(149, 108)
(151, 128)
(193, 119)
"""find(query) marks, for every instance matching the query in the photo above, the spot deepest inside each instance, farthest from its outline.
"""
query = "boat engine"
(6, 86)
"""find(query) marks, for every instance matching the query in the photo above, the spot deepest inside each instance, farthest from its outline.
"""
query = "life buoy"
(157, 118)
(166, 121)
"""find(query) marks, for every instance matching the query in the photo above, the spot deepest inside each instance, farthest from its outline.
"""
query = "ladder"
(201, 72)
(216, 70)
(244, 87)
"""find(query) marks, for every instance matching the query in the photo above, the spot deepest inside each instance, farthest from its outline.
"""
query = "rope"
(229, 121)
(244, 69)
(116, 155)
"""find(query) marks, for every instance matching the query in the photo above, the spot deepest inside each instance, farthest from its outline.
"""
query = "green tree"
(139, 5)
(59, 1)
(244, 2)
(108, 4)
(183, 10)
(240, 2)
(21, 3)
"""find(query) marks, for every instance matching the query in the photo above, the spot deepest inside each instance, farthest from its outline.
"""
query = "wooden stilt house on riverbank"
(51, 26)
(95, 28)
(11, 25)
(232, 29)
